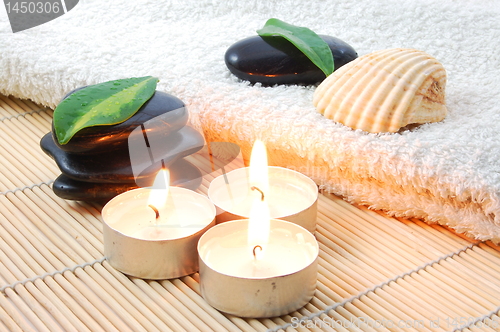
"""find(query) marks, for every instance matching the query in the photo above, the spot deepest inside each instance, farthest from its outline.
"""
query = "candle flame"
(259, 176)
(259, 221)
(160, 189)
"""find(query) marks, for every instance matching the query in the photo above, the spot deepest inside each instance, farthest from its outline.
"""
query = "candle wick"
(146, 140)
(254, 254)
(157, 213)
(261, 192)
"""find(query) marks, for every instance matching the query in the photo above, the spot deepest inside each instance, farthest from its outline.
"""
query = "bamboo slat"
(376, 273)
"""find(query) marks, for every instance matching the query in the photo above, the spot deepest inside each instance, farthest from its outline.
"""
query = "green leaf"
(105, 103)
(306, 40)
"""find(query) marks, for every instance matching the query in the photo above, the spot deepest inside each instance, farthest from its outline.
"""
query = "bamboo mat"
(376, 273)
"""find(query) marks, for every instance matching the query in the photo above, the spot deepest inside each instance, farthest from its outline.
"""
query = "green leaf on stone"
(306, 40)
(101, 104)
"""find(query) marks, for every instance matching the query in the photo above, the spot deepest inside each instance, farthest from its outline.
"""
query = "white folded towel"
(445, 172)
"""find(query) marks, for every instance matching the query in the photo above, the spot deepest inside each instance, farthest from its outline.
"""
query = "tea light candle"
(267, 280)
(291, 196)
(152, 233)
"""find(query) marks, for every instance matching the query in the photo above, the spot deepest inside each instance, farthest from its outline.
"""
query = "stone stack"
(101, 162)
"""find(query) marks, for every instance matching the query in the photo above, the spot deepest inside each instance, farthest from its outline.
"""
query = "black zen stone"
(182, 174)
(70, 189)
(115, 166)
(164, 112)
(274, 60)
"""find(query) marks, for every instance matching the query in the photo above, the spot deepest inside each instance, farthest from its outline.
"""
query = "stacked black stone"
(101, 162)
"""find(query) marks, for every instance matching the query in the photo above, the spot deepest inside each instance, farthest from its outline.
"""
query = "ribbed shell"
(384, 91)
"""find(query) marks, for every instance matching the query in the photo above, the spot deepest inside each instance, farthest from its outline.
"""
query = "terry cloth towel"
(446, 172)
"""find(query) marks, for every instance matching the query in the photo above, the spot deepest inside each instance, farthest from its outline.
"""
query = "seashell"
(384, 91)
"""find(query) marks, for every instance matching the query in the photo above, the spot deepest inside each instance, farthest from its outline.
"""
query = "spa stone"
(182, 174)
(274, 60)
(101, 162)
(70, 189)
(164, 113)
(116, 166)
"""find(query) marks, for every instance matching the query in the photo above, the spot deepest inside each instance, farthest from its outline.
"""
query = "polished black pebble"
(116, 166)
(182, 174)
(274, 60)
(164, 113)
(70, 189)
